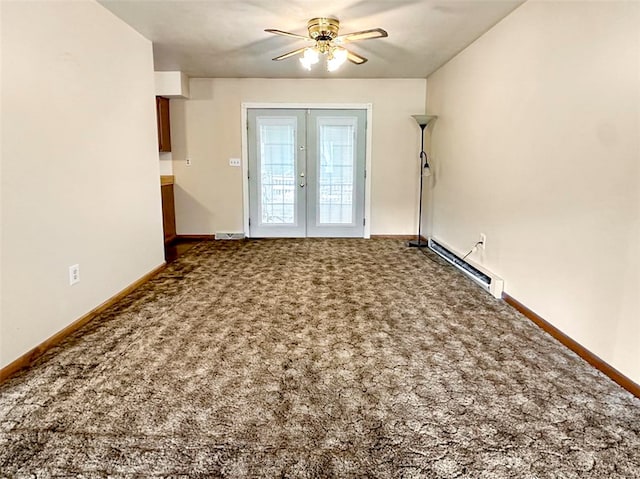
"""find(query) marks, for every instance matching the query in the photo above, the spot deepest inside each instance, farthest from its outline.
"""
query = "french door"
(306, 172)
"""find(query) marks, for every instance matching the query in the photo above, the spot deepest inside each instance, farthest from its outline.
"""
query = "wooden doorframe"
(306, 106)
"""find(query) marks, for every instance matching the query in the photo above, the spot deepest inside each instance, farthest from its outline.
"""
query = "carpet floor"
(314, 359)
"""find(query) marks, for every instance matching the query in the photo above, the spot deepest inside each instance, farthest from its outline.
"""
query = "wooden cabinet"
(164, 129)
(168, 209)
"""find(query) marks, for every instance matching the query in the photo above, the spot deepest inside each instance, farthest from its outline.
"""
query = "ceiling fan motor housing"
(323, 28)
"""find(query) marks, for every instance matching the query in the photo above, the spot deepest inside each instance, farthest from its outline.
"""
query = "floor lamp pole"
(418, 241)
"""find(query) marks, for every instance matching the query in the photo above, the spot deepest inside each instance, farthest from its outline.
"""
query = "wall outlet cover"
(234, 161)
(74, 274)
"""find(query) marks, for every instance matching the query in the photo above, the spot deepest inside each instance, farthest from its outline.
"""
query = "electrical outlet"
(187, 161)
(483, 240)
(234, 161)
(74, 274)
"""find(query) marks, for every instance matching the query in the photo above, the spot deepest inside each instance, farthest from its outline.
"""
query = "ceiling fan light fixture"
(310, 57)
(336, 58)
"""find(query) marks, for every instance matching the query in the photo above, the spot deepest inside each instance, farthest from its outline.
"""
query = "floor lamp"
(423, 121)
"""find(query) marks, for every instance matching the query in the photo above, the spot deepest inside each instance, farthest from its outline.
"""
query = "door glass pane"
(336, 165)
(277, 170)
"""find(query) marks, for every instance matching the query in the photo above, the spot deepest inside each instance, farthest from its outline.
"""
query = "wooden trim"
(28, 358)
(397, 237)
(576, 347)
(168, 213)
(167, 180)
(195, 237)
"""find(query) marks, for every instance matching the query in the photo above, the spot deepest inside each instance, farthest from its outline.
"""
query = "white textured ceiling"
(226, 38)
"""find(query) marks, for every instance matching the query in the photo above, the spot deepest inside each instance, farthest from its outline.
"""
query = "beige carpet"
(315, 359)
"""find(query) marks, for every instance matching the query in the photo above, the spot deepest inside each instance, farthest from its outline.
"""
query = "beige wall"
(79, 165)
(207, 128)
(537, 145)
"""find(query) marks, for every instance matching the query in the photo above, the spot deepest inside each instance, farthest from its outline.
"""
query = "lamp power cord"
(473, 250)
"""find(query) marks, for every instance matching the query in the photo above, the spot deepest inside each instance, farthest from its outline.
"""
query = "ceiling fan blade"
(355, 58)
(363, 35)
(290, 54)
(286, 34)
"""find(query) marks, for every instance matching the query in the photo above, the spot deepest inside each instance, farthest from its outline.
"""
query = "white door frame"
(306, 106)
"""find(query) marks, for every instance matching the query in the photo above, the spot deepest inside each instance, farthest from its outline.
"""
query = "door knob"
(301, 185)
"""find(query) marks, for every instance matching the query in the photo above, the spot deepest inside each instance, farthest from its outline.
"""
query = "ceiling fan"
(324, 32)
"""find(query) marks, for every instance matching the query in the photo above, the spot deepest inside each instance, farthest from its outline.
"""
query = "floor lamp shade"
(423, 121)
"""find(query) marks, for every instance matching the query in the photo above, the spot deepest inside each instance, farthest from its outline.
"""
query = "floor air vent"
(487, 280)
(229, 236)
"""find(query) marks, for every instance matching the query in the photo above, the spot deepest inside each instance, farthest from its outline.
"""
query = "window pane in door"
(277, 169)
(336, 165)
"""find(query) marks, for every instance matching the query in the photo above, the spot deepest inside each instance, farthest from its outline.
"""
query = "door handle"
(301, 185)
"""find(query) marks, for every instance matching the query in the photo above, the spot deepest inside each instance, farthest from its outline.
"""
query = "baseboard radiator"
(229, 236)
(484, 278)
